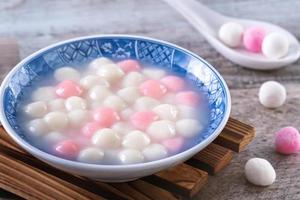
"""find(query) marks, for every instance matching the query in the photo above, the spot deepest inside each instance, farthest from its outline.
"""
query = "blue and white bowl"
(81, 50)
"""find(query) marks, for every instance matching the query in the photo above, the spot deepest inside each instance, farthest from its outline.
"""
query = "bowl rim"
(146, 165)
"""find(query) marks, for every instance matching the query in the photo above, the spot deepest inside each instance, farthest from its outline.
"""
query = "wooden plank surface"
(37, 25)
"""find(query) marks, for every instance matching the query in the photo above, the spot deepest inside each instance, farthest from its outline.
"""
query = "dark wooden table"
(39, 23)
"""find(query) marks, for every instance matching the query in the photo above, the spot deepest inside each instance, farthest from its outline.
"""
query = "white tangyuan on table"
(260, 172)
(36, 109)
(155, 152)
(106, 138)
(188, 127)
(153, 73)
(166, 111)
(78, 117)
(37, 127)
(110, 72)
(132, 79)
(91, 155)
(66, 73)
(98, 62)
(114, 101)
(99, 93)
(56, 120)
(136, 140)
(90, 81)
(74, 103)
(56, 105)
(129, 94)
(131, 156)
(160, 130)
(272, 94)
(145, 103)
(44, 94)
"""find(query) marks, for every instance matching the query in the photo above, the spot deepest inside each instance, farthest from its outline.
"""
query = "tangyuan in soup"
(109, 112)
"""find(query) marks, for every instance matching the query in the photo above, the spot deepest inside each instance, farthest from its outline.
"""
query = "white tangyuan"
(275, 45)
(110, 72)
(132, 79)
(129, 94)
(74, 103)
(145, 103)
(272, 94)
(136, 140)
(131, 156)
(97, 63)
(66, 73)
(90, 155)
(56, 120)
(99, 93)
(155, 152)
(44, 94)
(90, 81)
(160, 130)
(106, 138)
(122, 128)
(36, 109)
(187, 112)
(260, 172)
(78, 117)
(53, 137)
(231, 34)
(154, 73)
(188, 127)
(166, 111)
(56, 105)
(37, 127)
(115, 102)
(126, 113)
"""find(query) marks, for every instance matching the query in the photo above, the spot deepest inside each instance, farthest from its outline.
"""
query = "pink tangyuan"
(90, 128)
(253, 38)
(173, 83)
(67, 89)
(106, 116)
(287, 140)
(141, 120)
(129, 65)
(189, 98)
(67, 149)
(174, 145)
(153, 88)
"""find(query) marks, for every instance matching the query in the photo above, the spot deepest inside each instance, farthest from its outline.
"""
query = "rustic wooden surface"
(39, 23)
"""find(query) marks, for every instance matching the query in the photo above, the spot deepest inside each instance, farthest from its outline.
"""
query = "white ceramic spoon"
(208, 22)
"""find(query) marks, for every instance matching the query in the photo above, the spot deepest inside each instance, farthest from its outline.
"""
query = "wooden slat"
(236, 135)
(211, 159)
(49, 174)
(182, 179)
(153, 191)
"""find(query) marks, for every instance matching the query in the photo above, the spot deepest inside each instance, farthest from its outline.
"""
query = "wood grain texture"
(236, 135)
(212, 159)
(39, 23)
(182, 179)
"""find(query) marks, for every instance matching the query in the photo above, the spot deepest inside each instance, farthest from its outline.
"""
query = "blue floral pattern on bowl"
(120, 47)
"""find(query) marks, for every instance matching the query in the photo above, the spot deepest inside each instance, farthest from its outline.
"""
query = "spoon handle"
(205, 20)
